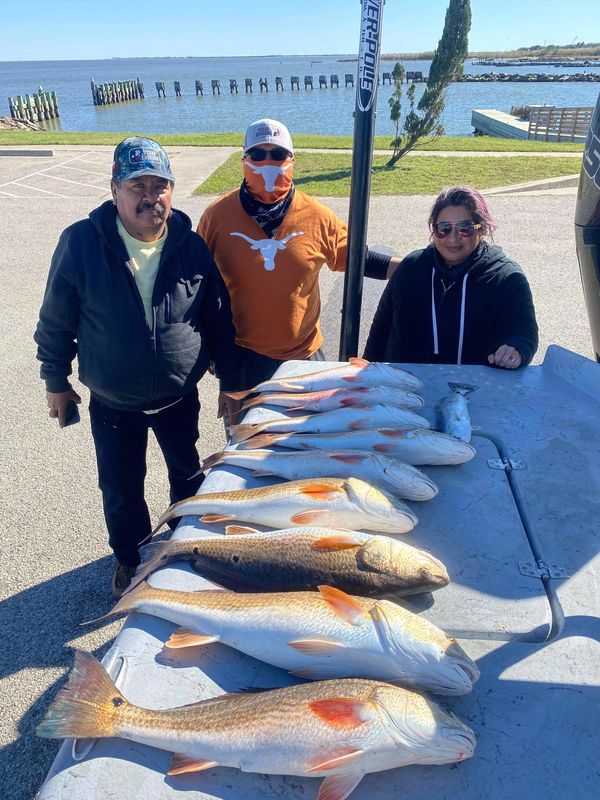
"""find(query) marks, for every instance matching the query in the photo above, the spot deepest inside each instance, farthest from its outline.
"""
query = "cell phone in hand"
(72, 415)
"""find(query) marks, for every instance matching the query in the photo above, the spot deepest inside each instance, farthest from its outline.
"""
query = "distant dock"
(545, 123)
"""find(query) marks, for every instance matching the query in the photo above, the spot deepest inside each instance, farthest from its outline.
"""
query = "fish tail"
(251, 402)
(89, 706)
(213, 461)
(240, 433)
(462, 388)
(239, 395)
(168, 515)
(262, 440)
(158, 554)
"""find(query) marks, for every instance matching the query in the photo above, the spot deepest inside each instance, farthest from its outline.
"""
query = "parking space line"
(8, 194)
(87, 171)
(66, 180)
(37, 189)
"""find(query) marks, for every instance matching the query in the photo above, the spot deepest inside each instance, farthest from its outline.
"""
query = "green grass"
(328, 174)
(232, 139)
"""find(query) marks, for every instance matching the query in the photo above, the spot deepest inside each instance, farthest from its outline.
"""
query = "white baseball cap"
(268, 131)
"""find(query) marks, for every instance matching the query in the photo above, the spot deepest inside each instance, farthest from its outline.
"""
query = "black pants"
(257, 367)
(121, 439)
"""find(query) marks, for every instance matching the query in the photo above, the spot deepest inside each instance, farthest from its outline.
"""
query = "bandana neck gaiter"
(268, 181)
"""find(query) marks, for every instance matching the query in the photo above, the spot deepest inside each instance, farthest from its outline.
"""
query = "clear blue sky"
(70, 29)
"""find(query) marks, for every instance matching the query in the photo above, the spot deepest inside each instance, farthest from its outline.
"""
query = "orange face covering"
(268, 181)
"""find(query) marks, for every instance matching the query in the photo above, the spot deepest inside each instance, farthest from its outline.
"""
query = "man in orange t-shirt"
(269, 241)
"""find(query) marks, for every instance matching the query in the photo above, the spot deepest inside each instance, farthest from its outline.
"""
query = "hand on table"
(506, 356)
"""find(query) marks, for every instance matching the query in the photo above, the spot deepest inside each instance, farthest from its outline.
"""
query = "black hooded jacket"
(92, 308)
(432, 314)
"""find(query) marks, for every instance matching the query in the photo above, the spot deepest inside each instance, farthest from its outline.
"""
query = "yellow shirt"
(274, 282)
(144, 258)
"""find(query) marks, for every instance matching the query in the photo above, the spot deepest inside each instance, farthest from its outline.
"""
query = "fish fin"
(262, 472)
(236, 530)
(463, 388)
(342, 712)
(127, 602)
(217, 517)
(186, 637)
(358, 425)
(354, 459)
(338, 787)
(240, 395)
(321, 491)
(244, 431)
(383, 448)
(344, 605)
(393, 433)
(260, 441)
(180, 764)
(317, 647)
(349, 378)
(309, 517)
(338, 542)
(213, 461)
(358, 362)
(353, 402)
(288, 386)
(89, 706)
(253, 401)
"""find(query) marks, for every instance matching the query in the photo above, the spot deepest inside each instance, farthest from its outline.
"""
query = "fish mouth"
(436, 575)
(465, 743)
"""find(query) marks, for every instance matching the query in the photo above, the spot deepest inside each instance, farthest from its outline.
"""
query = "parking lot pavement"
(75, 171)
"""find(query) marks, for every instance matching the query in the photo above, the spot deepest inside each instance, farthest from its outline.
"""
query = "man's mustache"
(144, 206)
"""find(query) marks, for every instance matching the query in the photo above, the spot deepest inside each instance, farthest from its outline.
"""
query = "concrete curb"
(564, 182)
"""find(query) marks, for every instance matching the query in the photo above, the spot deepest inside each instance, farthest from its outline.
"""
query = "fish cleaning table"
(518, 530)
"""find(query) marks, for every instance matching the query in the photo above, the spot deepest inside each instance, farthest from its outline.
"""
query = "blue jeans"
(121, 439)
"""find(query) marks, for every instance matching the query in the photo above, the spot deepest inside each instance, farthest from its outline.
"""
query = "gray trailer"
(517, 528)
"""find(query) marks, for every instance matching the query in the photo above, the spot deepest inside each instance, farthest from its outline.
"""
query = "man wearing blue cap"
(135, 294)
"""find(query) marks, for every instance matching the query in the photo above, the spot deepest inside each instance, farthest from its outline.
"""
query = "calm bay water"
(327, 111)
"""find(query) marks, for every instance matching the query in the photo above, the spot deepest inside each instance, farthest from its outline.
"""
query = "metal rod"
(364, 127)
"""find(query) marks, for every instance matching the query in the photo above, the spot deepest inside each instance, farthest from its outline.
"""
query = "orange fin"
(356, 459)
(354, 402)
(308, 517)
(217, 517)
(338, 542)
(322, 491)
(317, 647)
(358, 362)
(341, 712)
(383, 448)
(339, 787)
(236, 530)
(349, 378)
(261, 472)
(180, 764)
(344, 605)
(358, 425)
(254, 401)
(186, 637)
(393, 433)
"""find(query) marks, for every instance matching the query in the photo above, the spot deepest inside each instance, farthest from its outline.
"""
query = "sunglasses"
(259, 154)
(465, 229)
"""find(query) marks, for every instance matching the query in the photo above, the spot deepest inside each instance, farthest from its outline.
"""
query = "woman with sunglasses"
(461, 300)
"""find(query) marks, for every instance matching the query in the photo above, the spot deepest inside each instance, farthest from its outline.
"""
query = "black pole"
(364, 127)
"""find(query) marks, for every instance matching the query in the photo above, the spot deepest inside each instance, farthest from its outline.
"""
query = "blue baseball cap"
(137, 156)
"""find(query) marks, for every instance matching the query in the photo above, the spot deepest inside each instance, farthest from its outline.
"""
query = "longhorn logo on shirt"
(268, 247)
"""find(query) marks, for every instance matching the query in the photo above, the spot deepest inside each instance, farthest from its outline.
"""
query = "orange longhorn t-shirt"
(274, 283)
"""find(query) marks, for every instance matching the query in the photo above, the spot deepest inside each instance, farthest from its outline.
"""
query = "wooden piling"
(199, 89)
(263, 84)
(37, 107)
(216, 86)
(295, 79)
(322, 82)
(233, 86)
(248, 85)
(348, 80)
(334, 81)
(177, 87)
(308, 81)
(278, 83)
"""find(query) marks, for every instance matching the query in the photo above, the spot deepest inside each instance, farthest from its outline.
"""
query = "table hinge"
(542, 569)
(507, 464)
